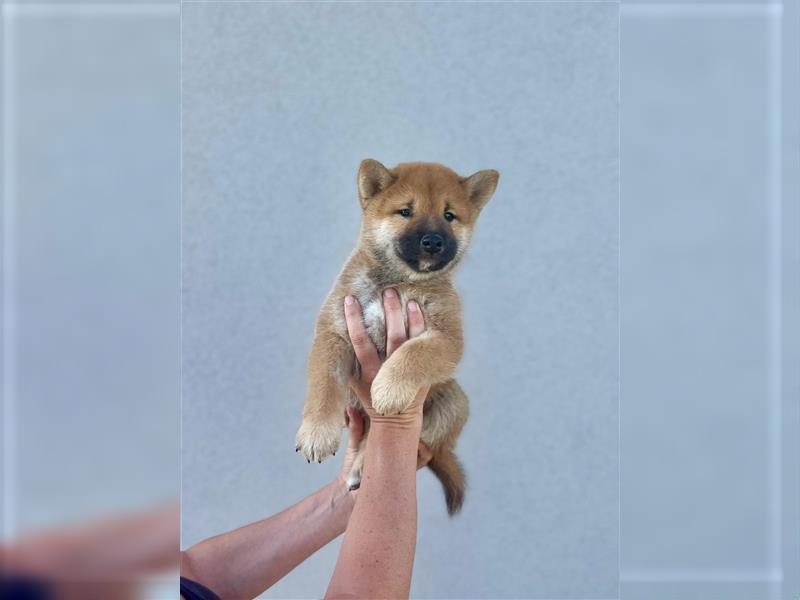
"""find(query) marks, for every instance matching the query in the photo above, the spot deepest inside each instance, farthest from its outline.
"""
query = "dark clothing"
(191, 590)
(23, 588)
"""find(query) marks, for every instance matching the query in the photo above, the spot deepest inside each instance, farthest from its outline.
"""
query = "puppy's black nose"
(432, 243)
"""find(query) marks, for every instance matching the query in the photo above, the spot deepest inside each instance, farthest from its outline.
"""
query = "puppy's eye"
(405, 212)
(448, 216)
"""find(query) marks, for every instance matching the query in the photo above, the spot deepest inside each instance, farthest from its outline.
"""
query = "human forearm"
(377, 554)
(122, 546)
(244, 562)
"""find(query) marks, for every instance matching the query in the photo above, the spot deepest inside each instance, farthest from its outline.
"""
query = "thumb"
(355, 428)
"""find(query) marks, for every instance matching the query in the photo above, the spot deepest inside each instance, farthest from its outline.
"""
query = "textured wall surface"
(280, 103)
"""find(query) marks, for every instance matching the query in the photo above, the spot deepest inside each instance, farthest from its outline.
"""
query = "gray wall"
(280, 103)
(709, 295)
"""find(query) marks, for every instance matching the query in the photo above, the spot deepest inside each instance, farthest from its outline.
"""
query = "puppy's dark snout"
(432, 243)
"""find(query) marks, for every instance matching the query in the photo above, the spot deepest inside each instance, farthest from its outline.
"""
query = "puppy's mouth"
(424, 265)
(425, 251)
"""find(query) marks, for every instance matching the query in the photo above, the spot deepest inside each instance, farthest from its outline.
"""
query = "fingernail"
(348, 300)
(389, 293)
(413, 306)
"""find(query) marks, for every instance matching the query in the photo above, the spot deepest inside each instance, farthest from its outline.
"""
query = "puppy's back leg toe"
(356, 471)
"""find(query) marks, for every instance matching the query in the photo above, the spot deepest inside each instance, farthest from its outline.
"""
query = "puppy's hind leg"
(444, 415)
(357, 470)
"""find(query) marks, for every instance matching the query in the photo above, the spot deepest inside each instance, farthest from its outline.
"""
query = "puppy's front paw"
(318, 440)
(391, 394)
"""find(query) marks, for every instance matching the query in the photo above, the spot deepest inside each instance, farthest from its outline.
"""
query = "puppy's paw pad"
(317, 441)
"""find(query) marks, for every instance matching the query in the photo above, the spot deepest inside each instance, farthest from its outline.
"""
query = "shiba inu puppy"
(417, 223)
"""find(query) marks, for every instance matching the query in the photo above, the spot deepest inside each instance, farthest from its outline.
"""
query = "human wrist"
(404, 422)
(337, 493)
(395, 432)
(338, 500)
(409, 419)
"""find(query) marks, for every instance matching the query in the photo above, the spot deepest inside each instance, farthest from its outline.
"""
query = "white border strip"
(180, 278)
(693, 10)
(9, 288)
(498, 2)
(91, 10)
(702, 576)
(775, 287)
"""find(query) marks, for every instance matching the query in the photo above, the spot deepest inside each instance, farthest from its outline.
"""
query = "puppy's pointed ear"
(480, 186)
(373, 178)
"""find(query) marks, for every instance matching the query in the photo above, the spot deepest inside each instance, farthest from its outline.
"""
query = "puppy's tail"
(448, 470)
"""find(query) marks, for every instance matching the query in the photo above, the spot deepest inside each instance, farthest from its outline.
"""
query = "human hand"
(355, 427)
(367, 355)
(370, 362)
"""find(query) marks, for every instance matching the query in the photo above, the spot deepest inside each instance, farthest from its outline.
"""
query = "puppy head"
(418, 217)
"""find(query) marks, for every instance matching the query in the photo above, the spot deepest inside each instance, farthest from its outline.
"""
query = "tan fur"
(429, 359)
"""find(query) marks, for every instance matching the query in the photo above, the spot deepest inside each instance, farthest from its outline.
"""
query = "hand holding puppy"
(370, 365)
(370, 362)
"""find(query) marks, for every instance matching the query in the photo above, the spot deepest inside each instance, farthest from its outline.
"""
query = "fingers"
(355, 427)
(366, 354)
(395, 324)
(416, 322)
(361, 388)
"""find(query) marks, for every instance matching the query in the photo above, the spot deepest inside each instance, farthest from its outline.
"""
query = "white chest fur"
(371, 300)
(374, 320)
